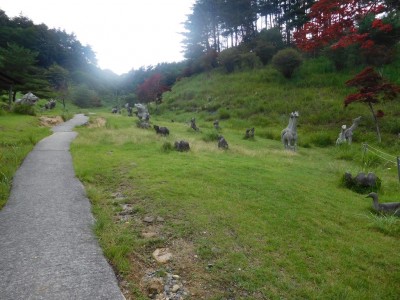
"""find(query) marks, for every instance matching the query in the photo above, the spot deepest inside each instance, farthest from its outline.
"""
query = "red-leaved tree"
(335, 23)
(371, 89)
(151, 89)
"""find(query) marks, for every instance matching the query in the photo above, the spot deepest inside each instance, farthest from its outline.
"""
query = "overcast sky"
(124, 34)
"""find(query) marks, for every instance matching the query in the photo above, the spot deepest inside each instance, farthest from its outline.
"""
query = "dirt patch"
(97, 122)
(47, 121)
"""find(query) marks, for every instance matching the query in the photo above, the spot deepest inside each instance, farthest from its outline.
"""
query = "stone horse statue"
(346, 134)
(289, 134)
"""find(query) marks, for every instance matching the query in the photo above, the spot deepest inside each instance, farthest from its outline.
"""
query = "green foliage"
(167, 147)
(24, 109)
(229, 59)
(287, 61)
(83, 97)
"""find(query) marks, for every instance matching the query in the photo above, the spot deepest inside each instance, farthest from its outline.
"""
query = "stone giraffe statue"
(347, 134)
(289, 134)
(341, 139)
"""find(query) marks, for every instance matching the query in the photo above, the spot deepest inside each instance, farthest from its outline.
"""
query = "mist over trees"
(227, 34)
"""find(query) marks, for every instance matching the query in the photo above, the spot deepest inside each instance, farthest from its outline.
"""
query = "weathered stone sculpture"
(362, 182)
(114, 110)
(222, 143)
(193, 124)
(341, 139)
(182, 146)
(143, 115)
(249, 133)
(387, 208)
(51, 104)
(347, 134)
(289, 134)
(161, 130)
(130, 111)
(142, 112)
(28, 99)
(216, 125)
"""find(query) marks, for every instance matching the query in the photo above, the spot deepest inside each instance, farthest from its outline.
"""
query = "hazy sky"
(124, 34)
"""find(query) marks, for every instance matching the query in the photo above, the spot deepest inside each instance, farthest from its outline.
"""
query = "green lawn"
(252, 222)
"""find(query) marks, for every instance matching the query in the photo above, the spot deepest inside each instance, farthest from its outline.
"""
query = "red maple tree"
(335, 23)
(151, 89)
(371, 89)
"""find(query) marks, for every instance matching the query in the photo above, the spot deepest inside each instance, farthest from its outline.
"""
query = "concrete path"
(47, 247)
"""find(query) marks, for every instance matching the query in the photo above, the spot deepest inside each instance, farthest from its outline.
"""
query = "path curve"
(47, 247)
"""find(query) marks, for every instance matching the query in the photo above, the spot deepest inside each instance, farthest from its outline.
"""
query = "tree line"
(266, 26)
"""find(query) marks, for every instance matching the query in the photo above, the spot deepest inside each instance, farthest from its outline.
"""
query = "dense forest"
(229, 35)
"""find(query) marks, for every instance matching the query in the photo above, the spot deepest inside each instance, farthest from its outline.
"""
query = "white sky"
(124, 34)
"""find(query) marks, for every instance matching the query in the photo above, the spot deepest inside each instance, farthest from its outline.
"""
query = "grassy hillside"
(252, 222)
(264, 99)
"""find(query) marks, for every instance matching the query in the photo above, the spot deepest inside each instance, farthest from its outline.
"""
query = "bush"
(229, 59)
(167, 147)
(287, 61)
(24, 109)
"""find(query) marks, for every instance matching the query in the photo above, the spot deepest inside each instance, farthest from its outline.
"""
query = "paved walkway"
(47, 247)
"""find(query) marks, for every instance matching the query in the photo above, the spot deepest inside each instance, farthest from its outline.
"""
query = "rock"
(148, 234)
(162, 255)
(148, 219)
(160, 219)
(154, 286)
(175, 288)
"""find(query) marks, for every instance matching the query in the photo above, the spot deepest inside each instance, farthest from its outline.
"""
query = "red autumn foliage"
(334, 23)
(151, 89)
(371, 87)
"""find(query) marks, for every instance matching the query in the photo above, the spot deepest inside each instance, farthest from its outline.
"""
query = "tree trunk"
(378, 132)
(10, 96)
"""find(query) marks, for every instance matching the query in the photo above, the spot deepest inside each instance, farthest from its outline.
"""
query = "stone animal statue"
(28, 99)
(222, 143)
(193, 124)
(348, 134)
(130, 111)
(182, 146)
(51, 104)
(161, 130)
(249, 133)
(114, 110)
(341, 139)
(362, 182)
(289, 134)
(142, 112)
(216, 125)
(389, 208)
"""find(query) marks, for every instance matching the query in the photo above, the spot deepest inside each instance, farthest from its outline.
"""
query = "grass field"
(252, 222)
(18, 135)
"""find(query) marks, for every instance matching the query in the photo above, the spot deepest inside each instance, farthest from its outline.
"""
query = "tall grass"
(18, 135)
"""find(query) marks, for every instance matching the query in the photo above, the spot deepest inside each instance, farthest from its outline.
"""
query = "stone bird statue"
(390, 207)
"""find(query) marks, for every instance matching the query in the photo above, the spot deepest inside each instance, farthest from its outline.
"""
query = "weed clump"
(167, 147)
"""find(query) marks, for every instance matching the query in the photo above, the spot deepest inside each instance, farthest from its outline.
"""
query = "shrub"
(322, 140)
(167, 147)
(287, 61)
(223, 114)
(229, 59)
(210, 137)
(24, 109)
